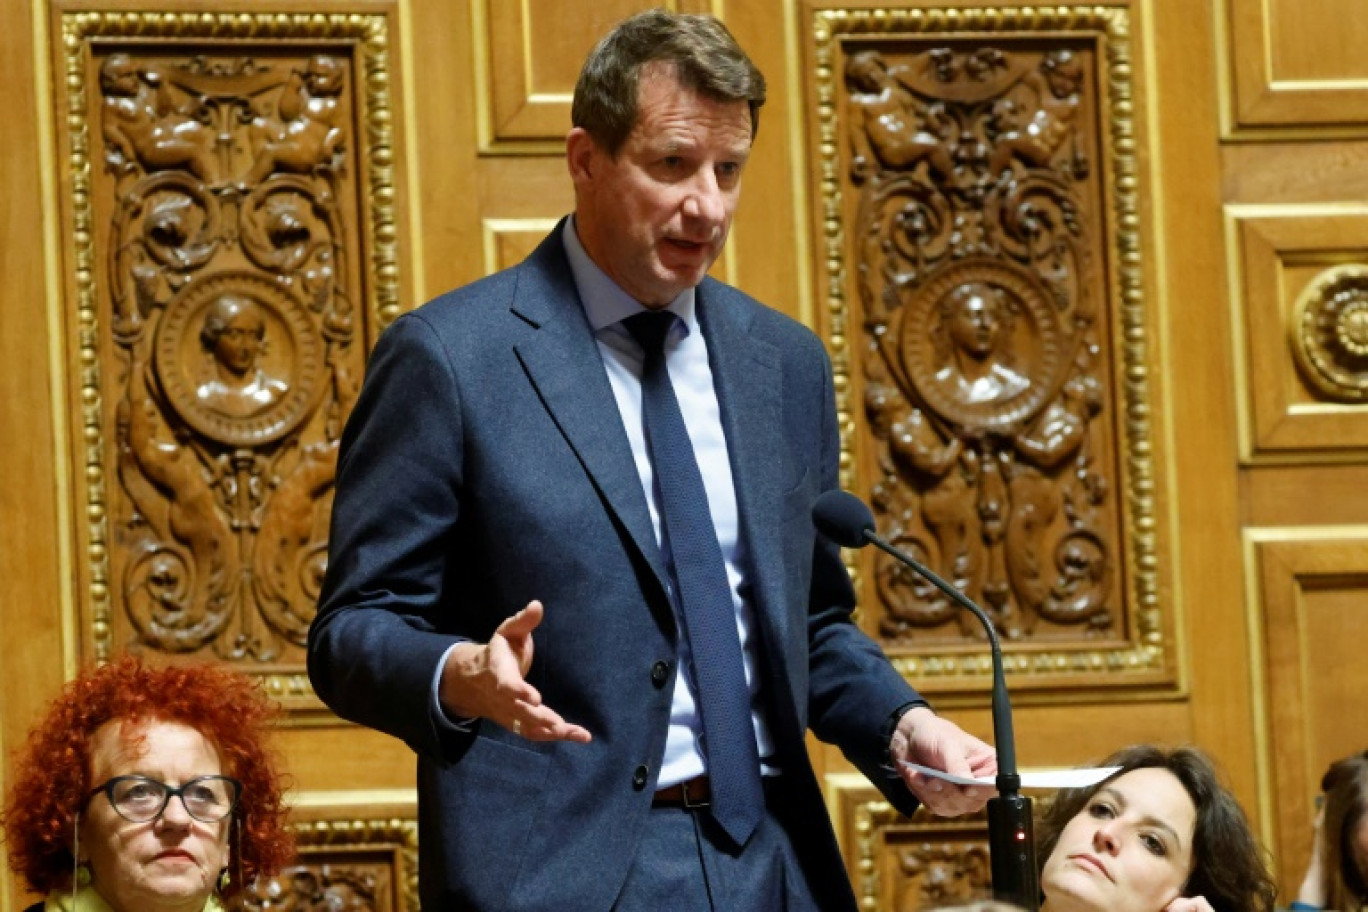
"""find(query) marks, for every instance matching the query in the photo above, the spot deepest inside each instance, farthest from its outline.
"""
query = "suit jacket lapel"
(562, 361)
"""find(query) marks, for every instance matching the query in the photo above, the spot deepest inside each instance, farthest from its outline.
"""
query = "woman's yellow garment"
(87, 900)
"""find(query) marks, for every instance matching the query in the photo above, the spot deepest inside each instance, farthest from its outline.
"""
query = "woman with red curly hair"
(91, 821)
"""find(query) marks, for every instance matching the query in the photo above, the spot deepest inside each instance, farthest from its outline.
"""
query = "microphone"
(844, 518)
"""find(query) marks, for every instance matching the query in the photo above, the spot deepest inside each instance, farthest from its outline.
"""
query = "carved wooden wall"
(360, 865)
(993, 341)
(1092, 277)
(1294, 124)
(239, 257)
(902, 865)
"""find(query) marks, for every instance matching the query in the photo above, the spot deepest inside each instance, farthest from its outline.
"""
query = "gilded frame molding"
(864, 820)
(396, 835)
(1149, 657)
(76, 30)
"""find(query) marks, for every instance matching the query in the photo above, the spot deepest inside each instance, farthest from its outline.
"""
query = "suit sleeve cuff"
(891, 725)
(443, 723)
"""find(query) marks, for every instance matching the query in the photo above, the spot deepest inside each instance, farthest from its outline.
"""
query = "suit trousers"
(687, 863)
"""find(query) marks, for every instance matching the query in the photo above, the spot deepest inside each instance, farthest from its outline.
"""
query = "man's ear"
(581, 153)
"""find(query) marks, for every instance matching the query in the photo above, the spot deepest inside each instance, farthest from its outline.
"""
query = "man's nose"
(704, 201)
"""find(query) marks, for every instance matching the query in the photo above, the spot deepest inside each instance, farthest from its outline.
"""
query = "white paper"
(1030, 779)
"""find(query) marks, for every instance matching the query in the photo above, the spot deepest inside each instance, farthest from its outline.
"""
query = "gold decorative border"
(394, 834)
(862, 818)
(370, 34)
(1149, 658)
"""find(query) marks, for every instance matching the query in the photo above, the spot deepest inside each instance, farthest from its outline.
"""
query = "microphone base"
(1011, 845)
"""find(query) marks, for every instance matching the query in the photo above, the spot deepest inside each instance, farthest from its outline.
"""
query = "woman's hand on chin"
(1189, 904)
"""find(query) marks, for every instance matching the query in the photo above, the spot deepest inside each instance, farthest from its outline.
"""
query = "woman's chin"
(1074, 894)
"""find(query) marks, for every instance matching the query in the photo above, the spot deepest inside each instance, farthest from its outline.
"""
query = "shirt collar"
(605, 303)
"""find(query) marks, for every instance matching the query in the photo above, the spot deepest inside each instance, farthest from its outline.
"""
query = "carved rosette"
(234, 239)
(1329, 334)
(986, 322)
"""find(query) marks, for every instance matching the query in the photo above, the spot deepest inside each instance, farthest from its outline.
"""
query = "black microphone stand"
(1011, 835)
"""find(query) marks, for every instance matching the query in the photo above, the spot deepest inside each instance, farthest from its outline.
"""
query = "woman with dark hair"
(147, 789)
(1160, 835)
(1337, 877)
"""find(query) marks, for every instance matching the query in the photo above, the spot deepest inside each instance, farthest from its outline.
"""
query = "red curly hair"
(52, 776)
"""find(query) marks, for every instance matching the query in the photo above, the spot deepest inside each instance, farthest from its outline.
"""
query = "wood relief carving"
(234, 237)
(903, 864)
(930, 874)
(982, 336)
(352, 865)
(1330, 334)
(321, 888)
(987, 328)
(226, 248)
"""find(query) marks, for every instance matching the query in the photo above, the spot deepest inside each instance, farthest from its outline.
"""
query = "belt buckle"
(692, 805)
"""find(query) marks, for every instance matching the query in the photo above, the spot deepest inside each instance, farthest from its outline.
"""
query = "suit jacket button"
(660, 673)
(639, 777)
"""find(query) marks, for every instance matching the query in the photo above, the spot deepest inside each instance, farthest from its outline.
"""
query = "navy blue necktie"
(704, 592)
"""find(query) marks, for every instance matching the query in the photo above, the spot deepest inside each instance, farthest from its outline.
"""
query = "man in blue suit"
(568, 554)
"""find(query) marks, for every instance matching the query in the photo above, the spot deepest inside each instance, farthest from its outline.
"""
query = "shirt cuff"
(440, 718)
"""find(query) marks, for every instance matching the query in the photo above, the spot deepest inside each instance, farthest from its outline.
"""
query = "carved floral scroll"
(903, 864)
(361, 865)
(232, 210)
(989, 332)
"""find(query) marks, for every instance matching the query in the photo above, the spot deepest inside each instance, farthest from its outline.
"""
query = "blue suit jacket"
(485, 465)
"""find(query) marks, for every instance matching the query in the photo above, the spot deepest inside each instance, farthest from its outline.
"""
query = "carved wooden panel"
(1302, 309)
(507, 242)
(231, 221)
(991, 338)
(1296, 65)
(357, 865)
(901, 864)
(530, 54)
(1311, 616)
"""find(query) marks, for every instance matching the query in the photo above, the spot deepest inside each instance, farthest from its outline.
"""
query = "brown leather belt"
(695, 793)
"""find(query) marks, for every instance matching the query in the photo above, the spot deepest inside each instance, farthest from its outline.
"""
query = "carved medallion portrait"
(240, 359)
(981, 344)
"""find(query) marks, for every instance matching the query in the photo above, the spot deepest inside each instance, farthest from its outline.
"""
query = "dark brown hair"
(697, 50)
(1345, 786)
(53, 770)
(1229, 867)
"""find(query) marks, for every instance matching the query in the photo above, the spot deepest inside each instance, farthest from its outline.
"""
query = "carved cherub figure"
(309, 131)
(886, 124)
(143, 122)
(1036, 136)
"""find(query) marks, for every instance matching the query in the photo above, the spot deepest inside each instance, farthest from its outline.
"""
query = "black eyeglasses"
(139, 799)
